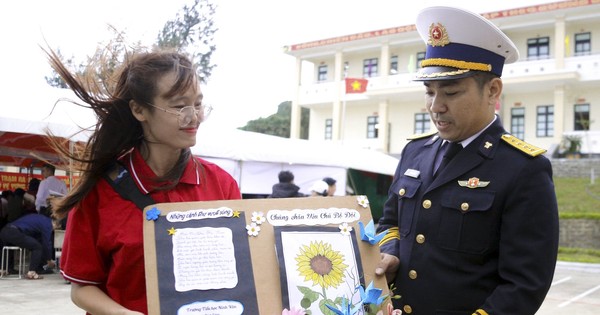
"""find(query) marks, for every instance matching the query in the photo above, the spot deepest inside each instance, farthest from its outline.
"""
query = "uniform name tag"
(412, 173)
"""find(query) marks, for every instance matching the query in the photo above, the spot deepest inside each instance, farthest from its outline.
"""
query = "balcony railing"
(587, 67)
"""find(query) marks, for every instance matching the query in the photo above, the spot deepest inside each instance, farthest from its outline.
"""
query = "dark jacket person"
(480, 235)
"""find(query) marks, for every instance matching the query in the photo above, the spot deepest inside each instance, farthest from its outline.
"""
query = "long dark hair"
(117, 131)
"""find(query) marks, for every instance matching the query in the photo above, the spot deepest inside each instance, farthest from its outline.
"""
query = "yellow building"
(553, 89)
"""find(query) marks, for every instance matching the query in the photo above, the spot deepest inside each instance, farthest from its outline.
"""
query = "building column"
(337, 112)
(559, 112)
(559, 42)
(383, 132)
(295, 124)
(384, 65)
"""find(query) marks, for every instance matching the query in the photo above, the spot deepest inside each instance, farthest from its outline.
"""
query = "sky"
(253, 74)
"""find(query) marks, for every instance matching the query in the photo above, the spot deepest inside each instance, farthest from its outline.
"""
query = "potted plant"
(572, 146)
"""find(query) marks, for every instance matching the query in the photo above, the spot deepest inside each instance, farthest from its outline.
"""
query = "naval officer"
(471, 220)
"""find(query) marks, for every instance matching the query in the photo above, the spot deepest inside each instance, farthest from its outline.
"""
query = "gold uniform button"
(412, 274)
(402, 192)
(427, 204)
(420, 238)
(464, 206)
(407, 309)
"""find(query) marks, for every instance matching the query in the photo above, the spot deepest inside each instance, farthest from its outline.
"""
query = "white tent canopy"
(44, 106)
(253, 159)
(25, 117)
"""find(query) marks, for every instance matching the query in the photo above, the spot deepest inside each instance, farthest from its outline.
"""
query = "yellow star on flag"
(172, 231)
(356, 86)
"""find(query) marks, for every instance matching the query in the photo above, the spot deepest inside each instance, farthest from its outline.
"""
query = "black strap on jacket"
(126, 187)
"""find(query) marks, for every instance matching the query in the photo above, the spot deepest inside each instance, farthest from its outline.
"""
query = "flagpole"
(343, 120)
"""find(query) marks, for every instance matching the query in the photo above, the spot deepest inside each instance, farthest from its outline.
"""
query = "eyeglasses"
(186, 114)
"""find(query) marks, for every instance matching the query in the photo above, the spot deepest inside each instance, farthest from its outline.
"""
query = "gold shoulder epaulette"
(522, 145)
(421, 135)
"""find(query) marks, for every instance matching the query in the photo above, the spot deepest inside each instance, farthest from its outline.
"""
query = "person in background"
(324, 187)
(148, 120)
(471, 222)
(19, 204)
(6, 194)
(319, 188)
(331, 187)
(33, 232)
(50, 185)
(5, 199)
(286, 187)
(33, 186)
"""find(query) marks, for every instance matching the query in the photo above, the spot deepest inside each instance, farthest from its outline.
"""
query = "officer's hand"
(388, 265)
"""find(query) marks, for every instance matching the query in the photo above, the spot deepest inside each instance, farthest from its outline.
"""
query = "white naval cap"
(459, 43)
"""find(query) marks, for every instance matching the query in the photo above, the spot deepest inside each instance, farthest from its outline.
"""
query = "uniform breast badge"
(473, 182)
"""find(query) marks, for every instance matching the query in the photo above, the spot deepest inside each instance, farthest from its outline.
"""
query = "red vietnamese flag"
(356, 85)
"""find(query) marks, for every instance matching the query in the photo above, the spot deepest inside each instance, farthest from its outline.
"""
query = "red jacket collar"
(144, 176)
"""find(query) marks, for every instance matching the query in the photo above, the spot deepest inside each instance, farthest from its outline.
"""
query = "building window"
(346, 67)
(322, 76)
(538, 48)
(394, 65)
(372, 127)
(422, 122)
(582, 117)
(545, 121)
(420, 57)
(370, 67)
(583, 44)
(328, 129)
(517, 122)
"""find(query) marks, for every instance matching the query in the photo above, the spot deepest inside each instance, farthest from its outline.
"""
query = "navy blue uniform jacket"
(490, 248)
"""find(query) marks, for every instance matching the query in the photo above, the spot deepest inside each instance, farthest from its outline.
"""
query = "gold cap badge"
(438, 36)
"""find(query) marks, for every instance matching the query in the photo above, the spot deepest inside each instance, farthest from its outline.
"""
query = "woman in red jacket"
(146, 125)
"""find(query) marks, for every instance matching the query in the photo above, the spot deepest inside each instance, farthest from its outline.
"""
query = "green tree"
(191, 31)
(54, 79)
(102, 65)
(278, 124)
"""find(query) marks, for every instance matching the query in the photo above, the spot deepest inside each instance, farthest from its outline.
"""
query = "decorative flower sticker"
(321, 264)
(367, 233)
(258, 217)
(172, 231)
(253, 229)
(363, 201)
(345, 228)
(393, 311)
(293, 311)
(152, 214)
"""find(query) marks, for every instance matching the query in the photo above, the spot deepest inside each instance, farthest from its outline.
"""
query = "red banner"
(356, 85)
(12, 181)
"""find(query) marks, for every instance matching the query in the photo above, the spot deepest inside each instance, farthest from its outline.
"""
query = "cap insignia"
(438, 35)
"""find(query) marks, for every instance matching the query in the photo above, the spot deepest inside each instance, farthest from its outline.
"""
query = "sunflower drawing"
(321, 264)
